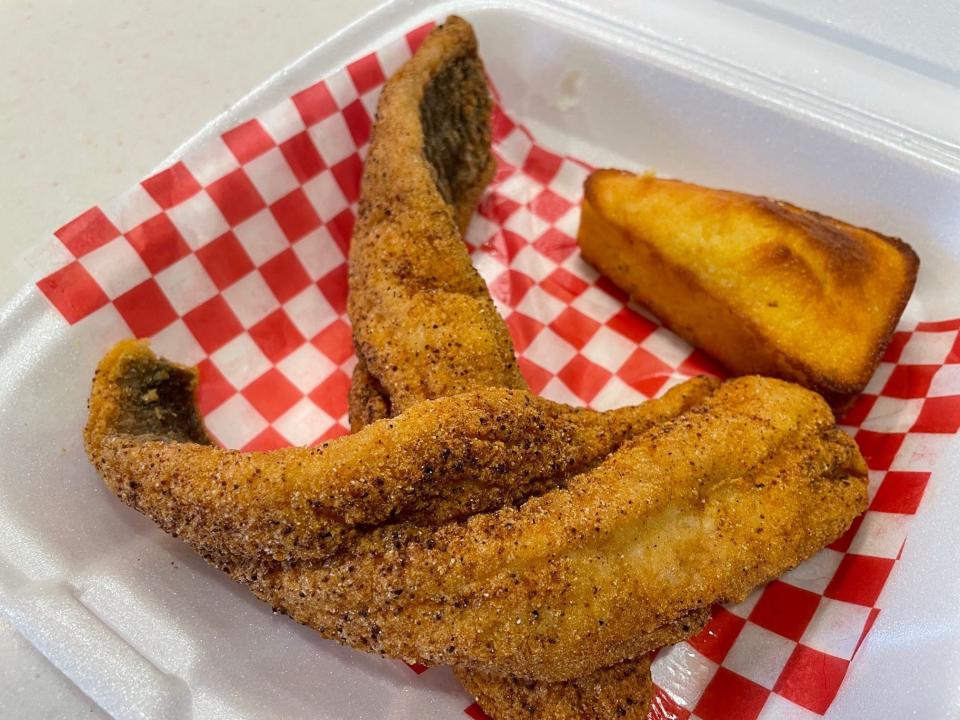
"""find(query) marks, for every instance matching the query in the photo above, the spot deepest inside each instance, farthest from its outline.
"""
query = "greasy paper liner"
(234, 259)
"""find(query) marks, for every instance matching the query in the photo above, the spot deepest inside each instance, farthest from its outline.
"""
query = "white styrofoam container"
(111, 616)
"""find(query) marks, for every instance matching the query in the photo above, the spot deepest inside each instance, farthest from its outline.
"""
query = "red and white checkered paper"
(233, 259)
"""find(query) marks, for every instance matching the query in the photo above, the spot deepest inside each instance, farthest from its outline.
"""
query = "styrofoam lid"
(921, 35)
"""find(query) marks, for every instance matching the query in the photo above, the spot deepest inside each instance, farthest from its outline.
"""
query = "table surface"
(96, 93)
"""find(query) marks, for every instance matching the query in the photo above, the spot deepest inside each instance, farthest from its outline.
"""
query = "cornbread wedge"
(763, 286)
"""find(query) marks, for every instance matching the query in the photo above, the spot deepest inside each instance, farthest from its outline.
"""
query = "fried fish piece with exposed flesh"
(174, 419)
(439, 462)
(678, 519)
(415, 299)
(453, 340)
(761, 285)
(621, 691)
(146, 438)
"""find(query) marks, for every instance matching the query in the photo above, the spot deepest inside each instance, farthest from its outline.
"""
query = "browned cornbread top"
(813, 299)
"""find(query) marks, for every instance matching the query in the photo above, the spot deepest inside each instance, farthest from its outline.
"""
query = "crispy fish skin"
(614, 686)
(466, 345)
(474, 322)
(623, 690)
(367, 401)
(415, 299)
(438, 462)
(680, 518)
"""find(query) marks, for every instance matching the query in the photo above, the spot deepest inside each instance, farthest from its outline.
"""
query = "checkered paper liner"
(233, 258)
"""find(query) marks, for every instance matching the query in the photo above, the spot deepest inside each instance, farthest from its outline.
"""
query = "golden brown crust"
(429, 372)
(440, 461)
(763, 286)
(538, 591)
(623, 690)
(535, 591)
(415, 299)
(367, 401)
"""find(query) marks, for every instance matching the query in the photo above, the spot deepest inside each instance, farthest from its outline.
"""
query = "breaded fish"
(415, 299)
(678, 518)
(622, 692)
(698, 510)
(261, 516)
(438, 462)
(761, 285)
(397, 524)
(444, 162)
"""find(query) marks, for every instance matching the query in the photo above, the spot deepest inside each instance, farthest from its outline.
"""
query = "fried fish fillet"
(763, 286)
(678, 519)
(243, 511)
(151, 407)
(623, 691)
(415, 299)
(439, 462)
(432, 136)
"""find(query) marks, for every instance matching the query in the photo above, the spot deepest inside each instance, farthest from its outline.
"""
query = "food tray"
(231, 256)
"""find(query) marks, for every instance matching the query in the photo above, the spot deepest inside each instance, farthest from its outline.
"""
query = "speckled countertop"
(95, 93)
